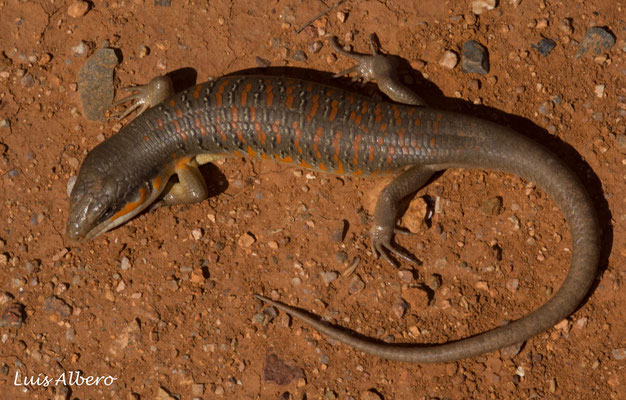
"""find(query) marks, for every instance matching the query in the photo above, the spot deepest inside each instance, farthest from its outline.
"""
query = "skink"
(328, 129)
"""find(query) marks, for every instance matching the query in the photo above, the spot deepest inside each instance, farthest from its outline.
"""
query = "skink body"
(328, 129)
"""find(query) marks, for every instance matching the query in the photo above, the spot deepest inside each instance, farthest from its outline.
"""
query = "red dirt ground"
(165, 303)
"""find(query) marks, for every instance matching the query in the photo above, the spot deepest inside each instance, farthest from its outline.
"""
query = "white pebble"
(480, 6)
(449, 59)
(599, 90)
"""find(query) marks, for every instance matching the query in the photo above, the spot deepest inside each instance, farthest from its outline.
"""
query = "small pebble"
(341, 16)
(197, 389)
(197, 234)
(143, 51)
(329, 277)
(315, 47)
(78, 9)
(5, 297)
(435, 281)
(400, 308)
(356, 285)
(13, 316)
(56, 305)
(542, 24)
(481, 6)
(299, 55)
(512, 284)
(475, 58)
(45, 59)
(598, 39)
(341, 257)
(492, 206)
(545, 46)
(246, 240)
(566, 26)
(449, 59)
(125, 263)
(406, 275)
(27, 81)
(619, 354)
(80, 49)
(599, 90)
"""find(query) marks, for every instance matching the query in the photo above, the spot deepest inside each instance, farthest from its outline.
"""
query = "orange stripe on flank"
(179, 113)
(336, 146)
(218, 127)
(259, 133)
(378, 113)
(371, 152)
(287, 159)
(199, 125)
(172, 103)
(401, 133)
(356, 144)
(319, 132)
(244, 94)
(196, 91)
(220, 92)
(269, 100)
(157, 183)
(130, 207)
(314, 107)
(339, 169)
(290, 97)
(436, 123)
(160, 123)
(251, 152)
(296, 141)
(333, 110)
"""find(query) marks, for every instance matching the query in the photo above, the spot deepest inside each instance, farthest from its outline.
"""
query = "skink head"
(100, 202)
(93, 201)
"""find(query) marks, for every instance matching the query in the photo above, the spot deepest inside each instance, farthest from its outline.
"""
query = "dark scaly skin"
(328, 129)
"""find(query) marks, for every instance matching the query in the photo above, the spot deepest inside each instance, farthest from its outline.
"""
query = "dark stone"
(475, 58)
(95, 83)
(545, 46)
(597, 38)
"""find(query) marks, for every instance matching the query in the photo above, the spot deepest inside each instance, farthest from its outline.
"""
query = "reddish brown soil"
(180, 317)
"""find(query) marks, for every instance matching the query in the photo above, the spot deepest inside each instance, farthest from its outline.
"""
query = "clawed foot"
(383, 245)
(366, 66)
(144, 96)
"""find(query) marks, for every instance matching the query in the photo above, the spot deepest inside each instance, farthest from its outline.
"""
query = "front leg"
(381, 67)
(145, 96)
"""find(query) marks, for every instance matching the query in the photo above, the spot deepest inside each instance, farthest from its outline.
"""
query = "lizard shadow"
(435, 98)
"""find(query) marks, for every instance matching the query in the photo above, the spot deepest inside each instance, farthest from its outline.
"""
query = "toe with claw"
(365, 62)
(383, 245)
